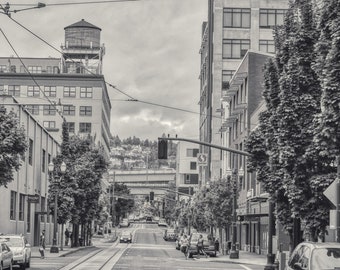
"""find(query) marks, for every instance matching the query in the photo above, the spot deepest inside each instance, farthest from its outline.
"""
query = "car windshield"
(171, 231)
(13, 242)
(126, 234)
(325, 258)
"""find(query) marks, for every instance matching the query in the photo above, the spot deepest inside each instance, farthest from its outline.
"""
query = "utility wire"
(47, 98)
(131, 98)
(77, 3)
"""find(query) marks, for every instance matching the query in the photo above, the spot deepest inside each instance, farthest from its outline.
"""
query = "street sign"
(331, 192)
(202, 159)
(33, 198)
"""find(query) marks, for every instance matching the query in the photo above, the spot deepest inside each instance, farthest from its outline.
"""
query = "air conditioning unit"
(250, 193)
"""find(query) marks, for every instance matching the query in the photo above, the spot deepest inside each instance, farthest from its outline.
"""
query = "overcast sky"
(152, 54)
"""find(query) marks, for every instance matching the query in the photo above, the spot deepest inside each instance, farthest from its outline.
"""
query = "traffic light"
(162, 149)
(152, 195)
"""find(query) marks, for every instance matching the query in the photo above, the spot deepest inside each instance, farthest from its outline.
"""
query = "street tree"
(281, 145)
(123, 206)
(13, 145)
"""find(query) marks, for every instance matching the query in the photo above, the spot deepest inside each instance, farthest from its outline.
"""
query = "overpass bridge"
(142, 182)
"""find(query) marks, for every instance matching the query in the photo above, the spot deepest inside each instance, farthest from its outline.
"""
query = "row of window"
(67, 110)
(30, 69)
(49, 91)
(21, 213)
(241, 17)
(83, 127)
(237, 48)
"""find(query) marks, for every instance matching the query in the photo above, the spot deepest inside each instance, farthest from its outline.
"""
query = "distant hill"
(135, 154)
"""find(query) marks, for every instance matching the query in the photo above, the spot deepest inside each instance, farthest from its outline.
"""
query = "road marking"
(245, 267)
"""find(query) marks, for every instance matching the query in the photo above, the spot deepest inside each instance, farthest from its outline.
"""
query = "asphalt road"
(148, 251)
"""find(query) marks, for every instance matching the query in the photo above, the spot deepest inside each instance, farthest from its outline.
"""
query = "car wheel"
(23, 266)
(190, 255)
(28, 264)
(1, 266)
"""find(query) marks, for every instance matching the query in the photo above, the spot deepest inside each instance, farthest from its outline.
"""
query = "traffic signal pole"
(206, 144)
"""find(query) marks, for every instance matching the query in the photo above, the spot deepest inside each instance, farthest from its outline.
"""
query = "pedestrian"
(67, 236)
(71, 238)
(42, 245)
(200, 246)
(184, 245)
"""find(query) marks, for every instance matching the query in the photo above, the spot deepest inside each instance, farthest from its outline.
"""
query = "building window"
(33, 109)
(69, 110)
(191, 179)
(14, 90)
(13, 205)
(70, 127)
(86, 92)
(267, 46)
(85, 110)
(192, 152)
(34, 69)
(193, 165)
(235, 48)
(69, 91)
(30, 152)
(49, 110)
(49, 124)
(33, 91)
(43, 161)
(236, 17)
(227, 75)
(271, 17)
(49, 69)
(50, 91)
(21, 207)
(85, 127)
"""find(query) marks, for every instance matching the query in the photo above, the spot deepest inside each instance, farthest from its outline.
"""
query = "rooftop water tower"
(82, 52)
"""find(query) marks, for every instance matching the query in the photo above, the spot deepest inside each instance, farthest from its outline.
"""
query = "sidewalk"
(67, 250)
(244, 258)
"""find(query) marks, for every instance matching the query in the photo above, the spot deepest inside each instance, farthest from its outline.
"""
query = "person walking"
(200, 246)
(42, 245)
(67, 236)
(184, 245)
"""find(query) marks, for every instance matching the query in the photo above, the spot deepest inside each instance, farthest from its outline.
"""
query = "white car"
(6, 256)
(20, 248)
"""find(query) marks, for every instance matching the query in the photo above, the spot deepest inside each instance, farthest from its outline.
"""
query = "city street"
(148, 250)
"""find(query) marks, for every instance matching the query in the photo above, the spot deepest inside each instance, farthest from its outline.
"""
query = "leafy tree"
(122, 206)
(280, 147)
(12, 145)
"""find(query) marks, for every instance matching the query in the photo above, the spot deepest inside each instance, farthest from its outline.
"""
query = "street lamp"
(233, 252)
(54, 247)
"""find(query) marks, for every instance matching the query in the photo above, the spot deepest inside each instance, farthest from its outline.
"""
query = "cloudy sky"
(152, 54)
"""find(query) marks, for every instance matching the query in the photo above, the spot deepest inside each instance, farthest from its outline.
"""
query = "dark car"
(315, 256)
(148, 219)
(125, 237)
(208, 245)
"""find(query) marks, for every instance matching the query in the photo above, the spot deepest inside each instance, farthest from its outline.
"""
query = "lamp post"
(54, 247)
(233, 252)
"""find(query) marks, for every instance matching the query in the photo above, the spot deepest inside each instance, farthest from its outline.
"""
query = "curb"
(65, 253)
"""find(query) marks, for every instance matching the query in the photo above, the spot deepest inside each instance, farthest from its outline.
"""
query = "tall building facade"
(233, 27)
(71, 88)
(187, 168)
(24, 202)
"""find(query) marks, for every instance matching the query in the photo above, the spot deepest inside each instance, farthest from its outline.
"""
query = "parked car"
(20, 248)
(208, 245)
(6, 256)
(162, 222)
(125, 237)
(315, 256)
(124, 223)
(148, 219)
(170, 235)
